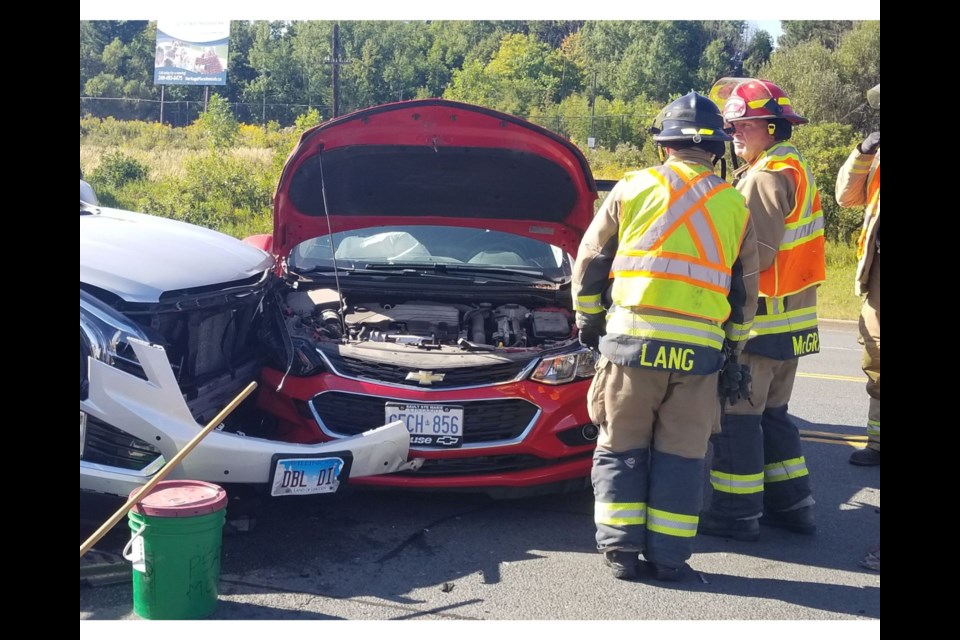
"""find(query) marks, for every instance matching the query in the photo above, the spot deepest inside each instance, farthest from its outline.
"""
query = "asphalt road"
(381, 555)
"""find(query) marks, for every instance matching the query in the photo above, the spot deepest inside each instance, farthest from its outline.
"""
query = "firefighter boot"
(661, 572)
(747, 530)
(797, 520)
(865, 457)
(624, 564)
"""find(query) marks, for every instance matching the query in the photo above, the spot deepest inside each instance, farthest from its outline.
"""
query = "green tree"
(858, 61)
(825, 147)
(716, 62)
(826, 32)
(757, 53)
(217, 123)
(811, 76)
(523, 74)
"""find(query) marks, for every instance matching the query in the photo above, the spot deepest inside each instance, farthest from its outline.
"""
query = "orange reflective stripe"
(688, 184)
(689, 212)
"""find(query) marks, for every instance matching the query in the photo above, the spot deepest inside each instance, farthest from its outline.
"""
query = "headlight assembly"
(104, 335)
(566, 368)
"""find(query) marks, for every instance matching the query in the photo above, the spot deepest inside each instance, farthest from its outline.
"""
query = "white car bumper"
(154, 411)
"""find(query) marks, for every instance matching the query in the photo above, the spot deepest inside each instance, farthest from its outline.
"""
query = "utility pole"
(592, 141)
(336, 63)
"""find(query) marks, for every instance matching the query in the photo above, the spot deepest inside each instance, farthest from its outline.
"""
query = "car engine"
(479, 327)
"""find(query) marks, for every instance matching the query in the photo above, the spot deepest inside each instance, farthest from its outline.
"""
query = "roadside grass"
(835, 298)
(170, 162)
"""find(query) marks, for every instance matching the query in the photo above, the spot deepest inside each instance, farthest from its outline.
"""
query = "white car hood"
(139, 257)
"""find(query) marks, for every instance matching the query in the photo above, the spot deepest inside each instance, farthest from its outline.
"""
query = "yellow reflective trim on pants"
(785, 470)
(734, 483)
(873, 427)
(620, 513)
(672, 524)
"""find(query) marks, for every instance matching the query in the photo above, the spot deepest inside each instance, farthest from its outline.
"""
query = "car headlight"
(566, 368)
(104, 335)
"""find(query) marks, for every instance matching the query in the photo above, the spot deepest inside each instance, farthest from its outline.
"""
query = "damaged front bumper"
(154, 411)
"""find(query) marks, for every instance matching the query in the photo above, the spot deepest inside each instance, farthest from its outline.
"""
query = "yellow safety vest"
(680, 233)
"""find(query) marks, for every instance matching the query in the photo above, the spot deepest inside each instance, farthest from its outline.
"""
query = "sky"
(770, 26)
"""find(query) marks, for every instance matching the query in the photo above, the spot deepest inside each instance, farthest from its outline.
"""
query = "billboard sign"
(193, 53)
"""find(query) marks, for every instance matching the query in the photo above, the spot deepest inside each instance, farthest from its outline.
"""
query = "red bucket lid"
(181, 499)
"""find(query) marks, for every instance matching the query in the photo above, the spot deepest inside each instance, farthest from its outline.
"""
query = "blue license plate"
(308, 476)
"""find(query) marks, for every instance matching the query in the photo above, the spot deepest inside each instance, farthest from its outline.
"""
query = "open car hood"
(433, 162)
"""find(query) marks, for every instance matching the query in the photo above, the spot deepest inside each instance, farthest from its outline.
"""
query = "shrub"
(116, 170)
(218, 123)
(825, 147)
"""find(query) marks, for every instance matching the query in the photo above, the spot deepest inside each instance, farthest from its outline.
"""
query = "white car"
(174, 321)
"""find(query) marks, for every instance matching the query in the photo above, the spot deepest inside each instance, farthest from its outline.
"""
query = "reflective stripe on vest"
(784, 322)
(678, 240)
(626, 322)
(800, 256)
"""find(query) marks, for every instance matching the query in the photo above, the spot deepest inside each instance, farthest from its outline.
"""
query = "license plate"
(305, 476)
(430, 425)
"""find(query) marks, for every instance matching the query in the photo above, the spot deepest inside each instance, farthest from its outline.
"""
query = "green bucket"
(176, 532)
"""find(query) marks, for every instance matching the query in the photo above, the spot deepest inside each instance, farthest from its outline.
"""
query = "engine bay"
(484, 326)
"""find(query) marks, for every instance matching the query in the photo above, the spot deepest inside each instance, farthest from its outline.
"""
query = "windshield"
(415, 245)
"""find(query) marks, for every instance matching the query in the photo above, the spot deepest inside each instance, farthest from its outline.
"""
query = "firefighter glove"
(871, 144)
(590, 334)
(734, 381)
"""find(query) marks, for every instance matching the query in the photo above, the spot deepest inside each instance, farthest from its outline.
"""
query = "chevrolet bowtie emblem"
(425, 377)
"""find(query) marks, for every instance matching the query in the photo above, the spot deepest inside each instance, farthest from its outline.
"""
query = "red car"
(427, 248)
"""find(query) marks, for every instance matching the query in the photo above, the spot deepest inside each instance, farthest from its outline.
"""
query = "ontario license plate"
(304, 476)
(430, 425)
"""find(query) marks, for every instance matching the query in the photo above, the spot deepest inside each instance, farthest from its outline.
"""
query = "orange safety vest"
(800, 262)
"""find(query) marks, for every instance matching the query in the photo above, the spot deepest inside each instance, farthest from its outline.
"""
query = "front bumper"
(531, 455)
(154, 411)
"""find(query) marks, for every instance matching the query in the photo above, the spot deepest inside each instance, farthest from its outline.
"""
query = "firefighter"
(672, 254)
(759, 472)
(858, 183)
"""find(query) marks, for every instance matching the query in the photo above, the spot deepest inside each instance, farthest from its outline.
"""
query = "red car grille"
(483, 420)
(458, 377)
